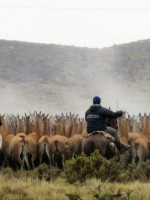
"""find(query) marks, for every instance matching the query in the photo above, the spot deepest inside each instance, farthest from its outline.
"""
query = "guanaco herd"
(26, 141)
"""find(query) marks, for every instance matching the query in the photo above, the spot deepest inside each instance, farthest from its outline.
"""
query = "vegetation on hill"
(54, 77)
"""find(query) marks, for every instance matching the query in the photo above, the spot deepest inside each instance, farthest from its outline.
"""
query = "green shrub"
(139, 172)
(83, 167)
(45, 172)
(9, 173)
(41, 172)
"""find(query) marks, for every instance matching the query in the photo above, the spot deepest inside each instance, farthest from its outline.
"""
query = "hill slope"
(55, 78)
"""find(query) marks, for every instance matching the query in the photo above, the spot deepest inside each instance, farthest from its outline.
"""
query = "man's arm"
(110, 114)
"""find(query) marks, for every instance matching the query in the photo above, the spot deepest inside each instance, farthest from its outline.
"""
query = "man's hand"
(123, 112)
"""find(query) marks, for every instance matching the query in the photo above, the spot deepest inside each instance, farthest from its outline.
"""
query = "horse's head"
(112, 123)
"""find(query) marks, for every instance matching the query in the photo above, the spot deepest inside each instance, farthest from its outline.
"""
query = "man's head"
(96, 100)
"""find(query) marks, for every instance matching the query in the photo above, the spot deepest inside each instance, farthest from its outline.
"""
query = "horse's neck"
(112, 123)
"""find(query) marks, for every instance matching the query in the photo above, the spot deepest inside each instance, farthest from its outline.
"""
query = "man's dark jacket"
(96, 117)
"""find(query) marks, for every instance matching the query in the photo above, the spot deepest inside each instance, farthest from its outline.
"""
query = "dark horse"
(101, 143)
(112, 123)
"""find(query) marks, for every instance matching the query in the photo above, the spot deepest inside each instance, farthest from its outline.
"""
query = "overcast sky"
(90, 23)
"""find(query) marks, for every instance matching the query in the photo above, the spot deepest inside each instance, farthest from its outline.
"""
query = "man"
(96, 117)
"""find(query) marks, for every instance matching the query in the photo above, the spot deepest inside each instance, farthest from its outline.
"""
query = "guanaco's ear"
(0, 122)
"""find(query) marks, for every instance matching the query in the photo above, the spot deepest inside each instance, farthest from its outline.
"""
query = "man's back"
(96, 117)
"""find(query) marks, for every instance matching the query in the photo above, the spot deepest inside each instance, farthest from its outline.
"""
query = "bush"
(44, 172)
(83, 167)
(139, 172)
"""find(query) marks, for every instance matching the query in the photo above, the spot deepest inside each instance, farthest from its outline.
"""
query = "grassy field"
(83, 178)
(21, 185)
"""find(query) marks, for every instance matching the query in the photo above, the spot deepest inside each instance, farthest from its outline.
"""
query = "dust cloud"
(14, 100)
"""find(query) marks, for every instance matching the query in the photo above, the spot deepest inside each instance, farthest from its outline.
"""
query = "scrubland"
(15, 188)
(51, 183)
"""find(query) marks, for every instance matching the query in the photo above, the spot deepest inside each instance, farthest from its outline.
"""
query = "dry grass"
(14, 188)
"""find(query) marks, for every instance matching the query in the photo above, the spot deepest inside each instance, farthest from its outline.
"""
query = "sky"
(86, 23)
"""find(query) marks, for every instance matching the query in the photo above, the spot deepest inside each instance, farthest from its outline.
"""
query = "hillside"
(55, 78)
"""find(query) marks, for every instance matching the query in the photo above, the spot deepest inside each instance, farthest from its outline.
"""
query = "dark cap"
(96, 100)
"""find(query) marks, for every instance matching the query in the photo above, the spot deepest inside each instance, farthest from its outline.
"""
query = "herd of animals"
(30, 140)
